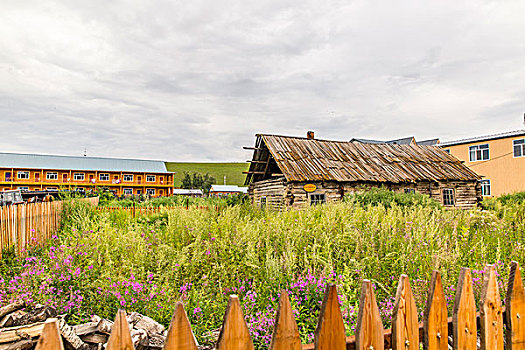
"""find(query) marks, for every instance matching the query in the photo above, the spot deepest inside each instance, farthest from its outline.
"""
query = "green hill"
(232, 171)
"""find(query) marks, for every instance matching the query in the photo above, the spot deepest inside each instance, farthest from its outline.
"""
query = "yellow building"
(36, 172)
(499, 159)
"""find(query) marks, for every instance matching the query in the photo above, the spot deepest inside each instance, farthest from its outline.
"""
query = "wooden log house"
(296, 171)
(35, 172)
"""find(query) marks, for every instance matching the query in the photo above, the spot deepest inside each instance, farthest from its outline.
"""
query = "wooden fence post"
(515, 309)
(120, 338)
(491, 312)
(180, 336)
(369, 333)
(285, 332)
(234, 333)
(464, 314)
(330, 332)
(435, 323)
(50, 338)
(405, 327)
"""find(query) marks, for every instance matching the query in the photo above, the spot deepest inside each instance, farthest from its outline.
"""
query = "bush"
(387, 198)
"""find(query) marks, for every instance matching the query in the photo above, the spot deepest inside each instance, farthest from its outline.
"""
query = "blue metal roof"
(39, 161)
(502, 135)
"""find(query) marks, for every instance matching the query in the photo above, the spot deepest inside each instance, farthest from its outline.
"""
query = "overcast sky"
(195, 80)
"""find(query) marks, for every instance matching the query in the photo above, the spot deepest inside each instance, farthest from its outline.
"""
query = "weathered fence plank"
(405, 327)
(435, 323)
(330, 331)
(369, 330)
(285, 333)
(234, 333)
(464, 313)
(180, 336)
(50, 338)
(515, 310)
(491, 312)
(120, 338)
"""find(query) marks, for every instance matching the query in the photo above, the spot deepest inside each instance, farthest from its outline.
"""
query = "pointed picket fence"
(406, 332)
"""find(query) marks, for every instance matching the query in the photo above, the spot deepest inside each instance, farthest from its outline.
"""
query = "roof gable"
(301, 159)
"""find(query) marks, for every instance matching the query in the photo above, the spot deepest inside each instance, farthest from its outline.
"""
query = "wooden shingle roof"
(302, 159)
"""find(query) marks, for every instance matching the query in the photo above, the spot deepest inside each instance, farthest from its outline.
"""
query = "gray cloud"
(195, 81)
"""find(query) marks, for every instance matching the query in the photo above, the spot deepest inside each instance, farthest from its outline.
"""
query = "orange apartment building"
(35, 172)
(499, 159)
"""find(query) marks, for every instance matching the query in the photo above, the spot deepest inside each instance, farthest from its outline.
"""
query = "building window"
(448, 196)
(37, 177)
(80, 189)
(519, 148)
(317, 199)
(127, 177)
(150, 191)
(479, 152)
(447, 150)
(22, 175)
(128, 191)
(52, 188)
(263, 202)
(79, 176)
(23, 188)
(410, 190)
(485, 187)
(51, 176)
(150, 178)
(103, 177)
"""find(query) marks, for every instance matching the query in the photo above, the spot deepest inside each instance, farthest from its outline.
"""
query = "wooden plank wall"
(30, 224)
(433, 333)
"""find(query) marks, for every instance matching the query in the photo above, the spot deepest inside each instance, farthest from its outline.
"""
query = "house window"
(479, 152)
(79, 176)
(485, 187)
(23, 188)
(51, 176)
(519, 148)
(263, 202)
(150, 191)
(37, 177)
(447, 150)
(128, 191)
(161, 192)
(52, 188)
(410, 190)
(448, 196)
(127, 177)
(317, 199)
(150, 178)
(80, 189)
(103, 177)
(22, 175)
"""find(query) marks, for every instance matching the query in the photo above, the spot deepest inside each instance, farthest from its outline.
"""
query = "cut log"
(12, 334)
(139, 337)
(10, 319)
(105, 326)
(39, 314)
(6, 310)
(95, 338)
(69, 336)
(20, 345)
(85, 328)
(149, 325)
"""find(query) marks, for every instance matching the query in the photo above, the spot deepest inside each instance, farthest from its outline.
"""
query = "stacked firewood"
(20, 329)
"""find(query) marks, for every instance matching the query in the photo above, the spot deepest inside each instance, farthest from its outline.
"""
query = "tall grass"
(202, 256)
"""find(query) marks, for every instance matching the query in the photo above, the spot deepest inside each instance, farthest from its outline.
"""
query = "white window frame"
(127, 191)
(479, 152)
(150, 191)
(51, 175)
(485, 187)
(448, 195)
(518, 145)
(22, 175)
(105, 175)
(127, 177)
(51, 188)
(148, 177)
(79, 176)
(23, 188)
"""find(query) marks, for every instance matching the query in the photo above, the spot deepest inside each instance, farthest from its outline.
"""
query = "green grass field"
(232, 171)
